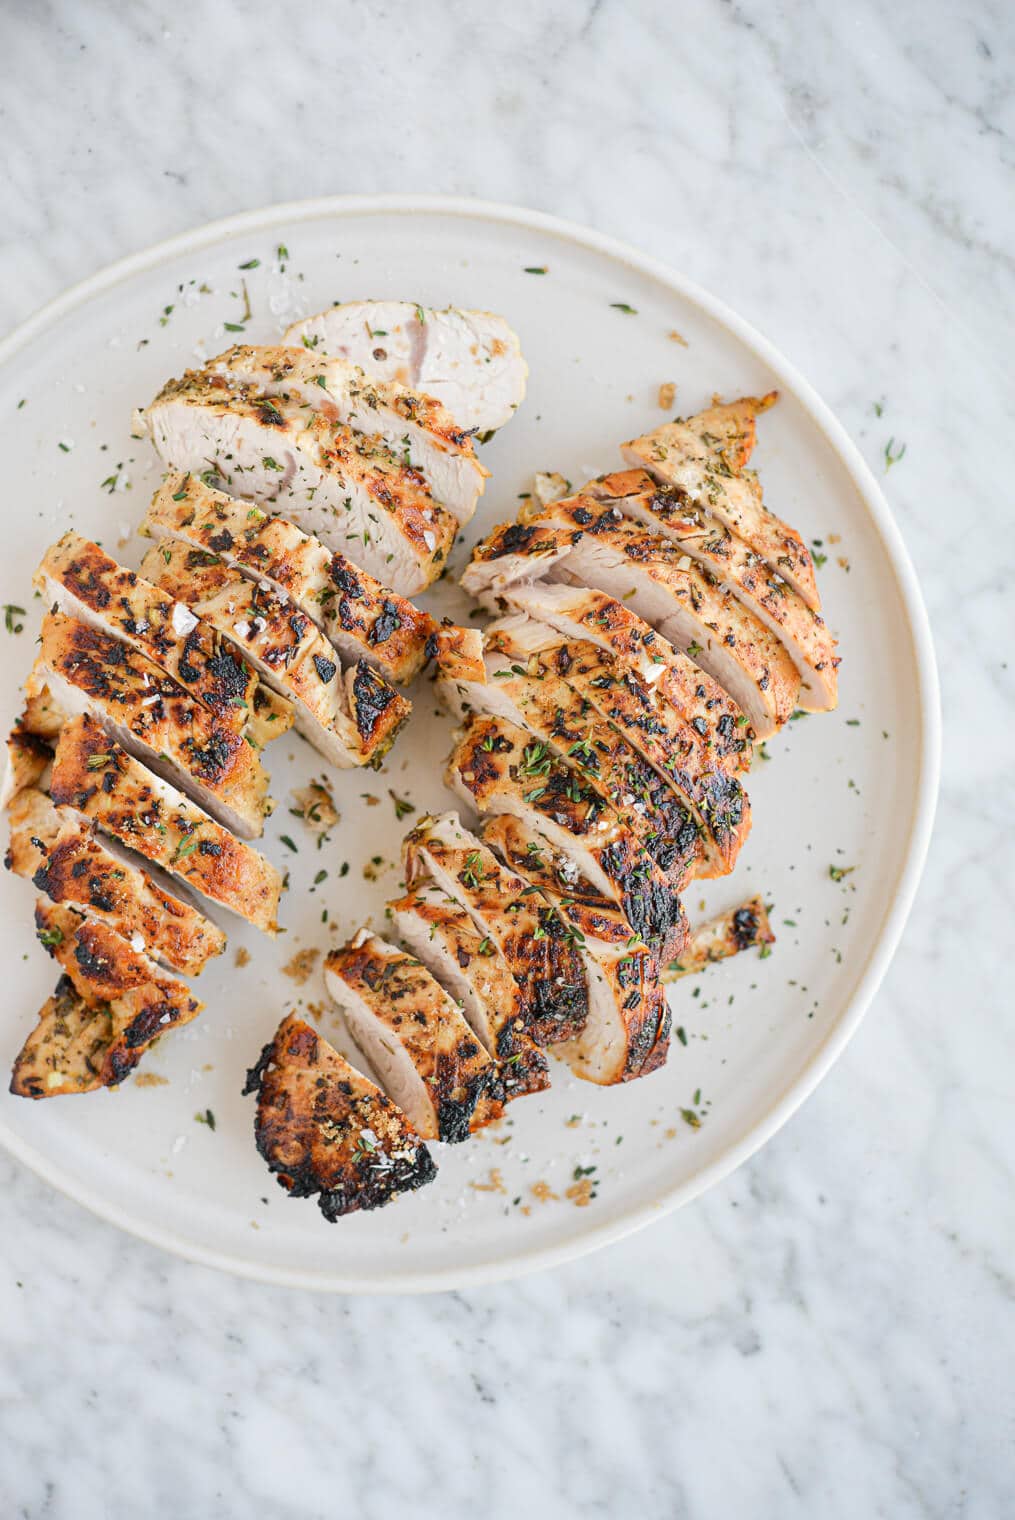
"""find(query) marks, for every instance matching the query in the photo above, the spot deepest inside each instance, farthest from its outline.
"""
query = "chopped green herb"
(250, 264)
(623, 306)
(11, 614)
(289, 843)
(206, 1118)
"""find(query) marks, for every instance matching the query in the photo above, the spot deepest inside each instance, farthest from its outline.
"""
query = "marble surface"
(830, 1331)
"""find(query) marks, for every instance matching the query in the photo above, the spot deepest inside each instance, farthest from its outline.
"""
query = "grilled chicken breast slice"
(96, 776)
(494, 769)
(414, 426)
(627, 1031)
(658, 735)
(564, 723)
(727, 934)
(647, 572)
(523, 926)
(580, 613)
(54, 849)
(731, 560)
(469, 361)
(439, 931)
(142, 1001)
(361, 617)
(69, 1050)
(704, 456)
(325, 1130)
(347, 488)
(350, 716)
(81, 580)
(415, 1038)
(154, 719)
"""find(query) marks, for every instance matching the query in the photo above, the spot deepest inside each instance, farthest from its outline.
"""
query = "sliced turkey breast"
(81, 580)
(350, 716)
(664, 587)
(728, 934)
(414, 426)
(362, 618)
(650, 726)
(93, 774)
(566, 724)
(497, 767)
(469, 361)
(154, 719)
(580, 613)
(539, 953)
(324, 1129)
(728, 557)
(415, 1038)
(350, 490)
(704, 457)
(62, 858)
(142, 1001)
(439, 931)
(627, 1031)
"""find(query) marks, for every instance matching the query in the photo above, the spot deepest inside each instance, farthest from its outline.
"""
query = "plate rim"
(926, 789)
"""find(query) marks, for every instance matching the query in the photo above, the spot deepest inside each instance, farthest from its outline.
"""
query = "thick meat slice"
(324, 1129)
(627, 1032)
(94, 775)
(540, 955)
(154, 719)
(631, 708)
(439, 931)
(63, 859)
(580, 613)
(469, 361)
(496, 767)
(415, 1038)
(415, 427)
(728, 557)
(143, 1002)
(291, 654)
(704, 456)
(81, 580)
(727, 934)
(348, 489)
(362, 618)
(564, 723)
(650, 574)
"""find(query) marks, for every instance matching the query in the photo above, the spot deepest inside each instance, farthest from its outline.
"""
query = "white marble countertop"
(829, 1332)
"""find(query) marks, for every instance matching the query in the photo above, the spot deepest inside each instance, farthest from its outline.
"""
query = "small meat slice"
(29, 758)
(727, 934)
(290, 652)
(658, 735)
(704, 456)
(154, 719)
(439, 931)
(650, 574)
(469, 361)
(627, 1032)
(81, 580)
(415, 1038)
(143, 1002)
(62, 858)
(346, 488)
(520, 922)
(324, 1129)
(97, 777)
(362, 618)
(414, 426)
(731, 560)
(69, 1050)
(580, 613)
(494, 770)
(562, 722)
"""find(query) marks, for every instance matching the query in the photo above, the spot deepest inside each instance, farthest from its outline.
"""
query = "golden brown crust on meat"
(727, 934)
(324, 1129)
(94, 775)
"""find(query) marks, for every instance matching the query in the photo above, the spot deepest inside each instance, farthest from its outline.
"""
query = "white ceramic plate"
(855, 789)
